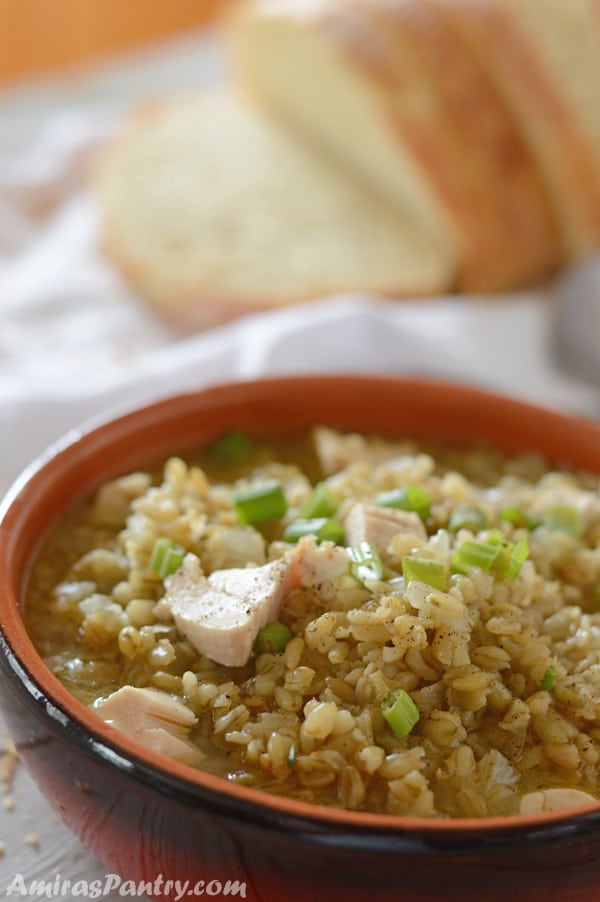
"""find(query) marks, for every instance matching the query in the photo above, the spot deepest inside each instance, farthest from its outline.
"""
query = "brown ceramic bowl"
(147, 816)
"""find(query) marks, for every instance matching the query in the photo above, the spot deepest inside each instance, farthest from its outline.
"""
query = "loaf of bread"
(544, 59)
(390, 89)
(397, 147)
(214, 210)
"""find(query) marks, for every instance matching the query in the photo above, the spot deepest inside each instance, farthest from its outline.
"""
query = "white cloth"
(500, 345)
(74, 342)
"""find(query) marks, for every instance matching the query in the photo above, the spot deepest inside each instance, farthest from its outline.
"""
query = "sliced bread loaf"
(213, 210)
(503, 38)
(388, 88)
(566, 36)
(317, 65)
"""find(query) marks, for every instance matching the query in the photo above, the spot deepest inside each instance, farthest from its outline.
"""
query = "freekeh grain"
(307, 721)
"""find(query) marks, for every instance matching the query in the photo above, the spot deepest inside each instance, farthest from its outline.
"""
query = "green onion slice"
(496, 537)
(496, 555)
(322, 528)
(272, 638)
(424, 570)
(166, 556)
(260, 503)
(400, 712)
(505, 548)
(322, 503)
(467, 517)
(365, 562)
(548, 679)
(231, 447)
(475, 554)
(408, 498)
(518, 555)
(518, 517)
(564, 518)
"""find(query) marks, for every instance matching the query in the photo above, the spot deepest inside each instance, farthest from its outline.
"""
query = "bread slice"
(503, 38)
(296, 58)
(388, 88)
(213, 210)
(566, 35)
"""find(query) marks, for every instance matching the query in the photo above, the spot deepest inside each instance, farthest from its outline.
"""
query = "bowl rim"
(79, 723)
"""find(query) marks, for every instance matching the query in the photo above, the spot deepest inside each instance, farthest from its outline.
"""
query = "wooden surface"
(39, 36)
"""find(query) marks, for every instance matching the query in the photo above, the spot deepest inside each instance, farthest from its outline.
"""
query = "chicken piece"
(222, 614)
(112, 504)
(151, 717)
(319, 566)
(336, 450)
(241, 545)
(554, 800)
(379, 525)
(235, 546)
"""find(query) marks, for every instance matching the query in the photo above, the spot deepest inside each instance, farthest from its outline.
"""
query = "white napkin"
(501, 345)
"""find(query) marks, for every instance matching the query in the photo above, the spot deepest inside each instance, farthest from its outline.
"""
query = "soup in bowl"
(312, 630)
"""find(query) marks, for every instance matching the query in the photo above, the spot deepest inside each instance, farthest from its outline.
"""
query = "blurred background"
(39, 37)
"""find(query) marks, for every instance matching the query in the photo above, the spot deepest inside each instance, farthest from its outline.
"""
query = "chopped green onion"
(502, 561)
(496, 537)
(400, 712)
(231, 447)
(365, 562)
(494, 555)
(260, 503)
(322, 528)
(548, 679)
(518, 517)
(424, 570)
(510, 557)
(322, 503)
(564, 518)
(475, 554)
(408, 498)
(467, 517)
(518, 555)
(166, 557)
(272, 638)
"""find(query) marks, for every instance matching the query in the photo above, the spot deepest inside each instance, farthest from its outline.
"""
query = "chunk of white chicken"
(242, 544)
(555, 800)
(153, 718)
(233, 546)
(318, 566)
(378, 525)
(222, 614)
(336, 450)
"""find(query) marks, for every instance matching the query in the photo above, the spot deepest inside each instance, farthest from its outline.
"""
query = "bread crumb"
(7, 745)
(2, 848)
(9, 803)
(8, 763)
(33, 840)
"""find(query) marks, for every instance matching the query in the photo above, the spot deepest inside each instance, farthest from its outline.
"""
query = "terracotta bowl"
(149, 818)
